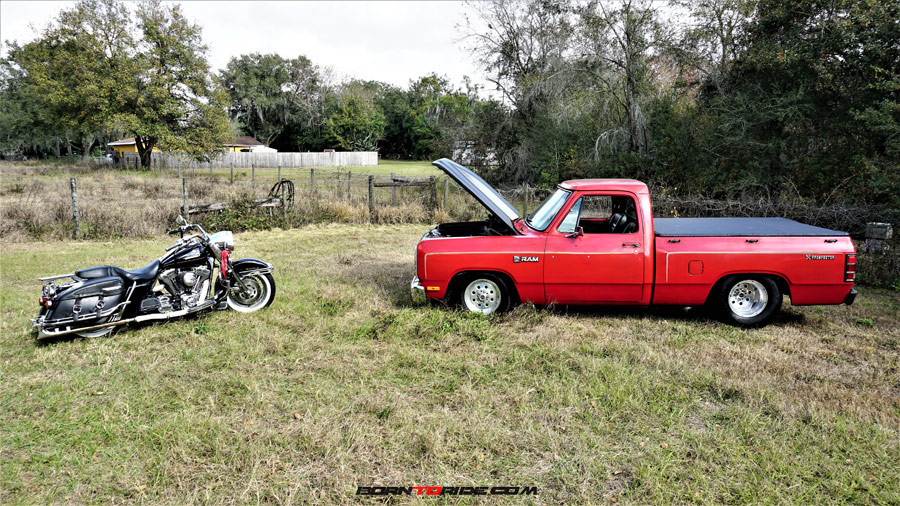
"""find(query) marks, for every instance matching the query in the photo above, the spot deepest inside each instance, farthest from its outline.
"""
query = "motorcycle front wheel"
(260, 293)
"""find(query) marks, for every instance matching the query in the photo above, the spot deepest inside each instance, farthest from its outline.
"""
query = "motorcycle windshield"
(483, 192)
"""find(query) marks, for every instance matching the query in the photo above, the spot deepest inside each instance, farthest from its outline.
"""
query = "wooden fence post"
(232, 173)
(393, 192)
(349, 180)
(184, 198)
(210, 172)
(253, 174)
(279, 172)
(75, 209)
(312, 180)
(372, 198)
(446, 191)
(433, 184)
(525, 197)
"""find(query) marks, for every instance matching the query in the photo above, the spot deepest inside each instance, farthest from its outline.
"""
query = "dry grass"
(343, 383)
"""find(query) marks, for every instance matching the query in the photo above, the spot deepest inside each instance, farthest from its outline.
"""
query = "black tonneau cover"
(732, 227)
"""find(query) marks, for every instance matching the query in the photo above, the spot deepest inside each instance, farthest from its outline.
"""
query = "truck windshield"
(542, 216)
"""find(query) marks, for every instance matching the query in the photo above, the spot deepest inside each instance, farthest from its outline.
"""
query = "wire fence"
(107, 203)
(61, 203)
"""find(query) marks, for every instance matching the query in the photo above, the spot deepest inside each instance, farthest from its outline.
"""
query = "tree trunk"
(86, 145)
(145, 147)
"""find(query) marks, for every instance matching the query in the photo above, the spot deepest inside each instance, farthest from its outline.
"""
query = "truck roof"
(627, 185)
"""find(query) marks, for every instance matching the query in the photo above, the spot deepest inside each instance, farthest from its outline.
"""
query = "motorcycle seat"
(101, 271)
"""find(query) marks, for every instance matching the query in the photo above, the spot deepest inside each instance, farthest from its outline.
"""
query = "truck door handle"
(632, 244)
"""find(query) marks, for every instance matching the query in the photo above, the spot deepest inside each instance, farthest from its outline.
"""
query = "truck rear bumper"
(850, 297)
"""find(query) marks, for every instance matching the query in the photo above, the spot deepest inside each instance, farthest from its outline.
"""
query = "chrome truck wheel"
(484, 295)
(748, 298)
(750, 301)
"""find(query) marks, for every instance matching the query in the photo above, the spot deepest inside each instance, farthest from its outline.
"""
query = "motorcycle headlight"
(223, 240)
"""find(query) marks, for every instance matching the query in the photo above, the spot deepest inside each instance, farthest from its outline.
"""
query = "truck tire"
(484, 293)
(749, 301)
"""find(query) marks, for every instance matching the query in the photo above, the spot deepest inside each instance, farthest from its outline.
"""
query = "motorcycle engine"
(187, 287)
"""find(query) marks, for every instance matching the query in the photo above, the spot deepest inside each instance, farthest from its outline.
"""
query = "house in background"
(240, 144)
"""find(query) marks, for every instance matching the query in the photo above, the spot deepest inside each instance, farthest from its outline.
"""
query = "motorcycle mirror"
(180, 220)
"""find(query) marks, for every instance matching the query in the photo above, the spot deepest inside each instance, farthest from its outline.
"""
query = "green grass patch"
(343, 382)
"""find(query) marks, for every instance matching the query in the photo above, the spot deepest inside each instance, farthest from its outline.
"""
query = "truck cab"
(595, 241)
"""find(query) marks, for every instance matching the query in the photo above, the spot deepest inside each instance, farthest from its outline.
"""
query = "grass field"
(343, 383)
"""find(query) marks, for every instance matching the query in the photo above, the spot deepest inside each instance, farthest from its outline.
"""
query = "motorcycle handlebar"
(174, 231)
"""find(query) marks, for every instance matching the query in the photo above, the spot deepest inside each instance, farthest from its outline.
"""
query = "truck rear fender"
(457, 278)
(780, 280)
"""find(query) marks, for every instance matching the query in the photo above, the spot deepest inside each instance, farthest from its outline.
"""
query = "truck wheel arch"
(453, 286)
(780, 280)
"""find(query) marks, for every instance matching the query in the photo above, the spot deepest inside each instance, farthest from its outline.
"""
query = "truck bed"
(738, 227)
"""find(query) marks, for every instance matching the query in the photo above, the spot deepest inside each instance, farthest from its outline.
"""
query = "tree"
(77, 68)
(356, 124)
(615, 46)
(93, 70)
(523, 46)
(809, 99)
(171, 101)
(270, 94)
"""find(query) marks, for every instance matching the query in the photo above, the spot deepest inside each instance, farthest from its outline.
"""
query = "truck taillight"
(850, 269)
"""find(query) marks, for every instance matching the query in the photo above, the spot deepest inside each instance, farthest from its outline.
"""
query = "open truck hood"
(483, 192)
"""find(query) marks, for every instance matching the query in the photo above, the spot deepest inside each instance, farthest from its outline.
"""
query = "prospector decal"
(518, 259)
(820, 257)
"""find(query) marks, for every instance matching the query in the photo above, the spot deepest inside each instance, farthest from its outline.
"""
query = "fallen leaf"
(254, 434)
(296, 416)
(140, 487)
(613, 499)
(259, 412)
(616, 473)
(594, 403)
(95, 458)
(98, 392)
(267, 475)
(664, 445)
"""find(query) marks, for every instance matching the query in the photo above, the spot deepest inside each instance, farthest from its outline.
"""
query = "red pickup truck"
(595, 241)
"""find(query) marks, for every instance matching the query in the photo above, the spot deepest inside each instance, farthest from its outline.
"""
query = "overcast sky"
(385, 41)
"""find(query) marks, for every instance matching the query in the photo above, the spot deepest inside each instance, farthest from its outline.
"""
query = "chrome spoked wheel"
(748, 298)
(257, 295)
(482, 296)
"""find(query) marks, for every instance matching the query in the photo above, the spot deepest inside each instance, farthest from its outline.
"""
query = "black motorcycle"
(196, 273)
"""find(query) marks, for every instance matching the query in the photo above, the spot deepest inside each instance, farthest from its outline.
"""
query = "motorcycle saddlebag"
(88, 299)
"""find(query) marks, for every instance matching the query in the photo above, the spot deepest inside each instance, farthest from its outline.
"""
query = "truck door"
(595, 254)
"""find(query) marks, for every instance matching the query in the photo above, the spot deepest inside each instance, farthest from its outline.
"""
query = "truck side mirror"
(579, 232)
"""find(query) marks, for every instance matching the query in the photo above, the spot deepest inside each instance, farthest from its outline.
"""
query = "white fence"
(264, 160)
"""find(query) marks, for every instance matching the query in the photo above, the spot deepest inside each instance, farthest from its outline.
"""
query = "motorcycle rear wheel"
(93, 334)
